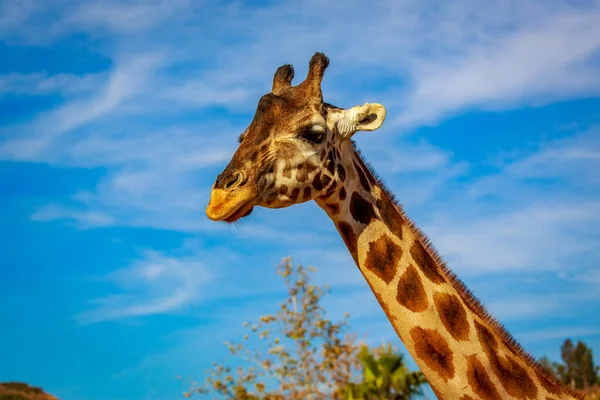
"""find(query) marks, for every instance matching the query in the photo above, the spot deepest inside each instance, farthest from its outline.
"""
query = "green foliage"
(385, 376)
(308, 357)
(577, 369)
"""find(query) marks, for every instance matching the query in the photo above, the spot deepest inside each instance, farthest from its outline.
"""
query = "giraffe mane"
(471, 300)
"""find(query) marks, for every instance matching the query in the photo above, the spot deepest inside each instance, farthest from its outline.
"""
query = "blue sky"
(116, 116)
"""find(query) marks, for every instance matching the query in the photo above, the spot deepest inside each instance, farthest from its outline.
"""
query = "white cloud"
(13, 14)
(533, 65)
(86, 218)
(576, 157)
(540, 211)
(176, 149)
(127, 80)
(440, 61)
(200, 93)
(567, 165)
(123, 16)
(42, 83)
(539, 237)
(154, 285)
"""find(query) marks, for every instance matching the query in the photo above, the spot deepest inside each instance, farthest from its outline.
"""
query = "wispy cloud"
(508, 220)
(123, 16)
(156, 284)
(41, 83)
(199, 93)
(566, 164)
(497, 57)
(518, 67)
(538, 237)
(12, 15)
(84, 218)
(31, 141)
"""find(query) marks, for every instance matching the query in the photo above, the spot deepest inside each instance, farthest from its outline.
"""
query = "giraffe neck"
(463, 352)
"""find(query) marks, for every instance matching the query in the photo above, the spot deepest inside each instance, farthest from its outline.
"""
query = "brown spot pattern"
(294, 195)
(316, 183)
(487, 340)
(382, 258)
(370, 177)
(331, 163)
(513, 377)
(425, 262)
(341, 172)
(307, 193)
(453, 315)
(325, 179)
(348, 235)
(343, 193)
(411, 293)
(431, 347)
(320, 181)
(361, 210)
(283, 189)
(310, 167)
(362, 177)
(271, 198)
(466, 397)
(390, 216)
(330, 190)
(479, 380)
(304, 170)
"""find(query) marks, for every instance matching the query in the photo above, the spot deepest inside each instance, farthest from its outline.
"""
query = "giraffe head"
(292, 150)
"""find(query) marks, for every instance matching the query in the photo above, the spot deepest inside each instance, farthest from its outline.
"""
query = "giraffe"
(299, 148)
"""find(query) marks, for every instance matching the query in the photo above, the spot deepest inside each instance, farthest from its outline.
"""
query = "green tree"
(577, 369)
(567, 352)
(587, 373)
(385, 376)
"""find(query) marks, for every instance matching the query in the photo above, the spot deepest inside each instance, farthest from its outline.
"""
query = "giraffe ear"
(367, 117)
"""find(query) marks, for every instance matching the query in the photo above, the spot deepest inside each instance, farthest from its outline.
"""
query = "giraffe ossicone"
(298, 148)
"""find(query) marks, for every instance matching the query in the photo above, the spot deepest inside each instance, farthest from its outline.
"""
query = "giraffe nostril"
(236, 179)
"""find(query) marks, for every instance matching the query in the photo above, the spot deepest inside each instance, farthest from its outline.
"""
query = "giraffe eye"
(312, 135)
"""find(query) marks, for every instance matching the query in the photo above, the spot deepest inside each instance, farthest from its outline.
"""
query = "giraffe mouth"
(228, 207)
(243, 211)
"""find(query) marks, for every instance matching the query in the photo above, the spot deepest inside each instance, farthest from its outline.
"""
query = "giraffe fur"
(299, 148)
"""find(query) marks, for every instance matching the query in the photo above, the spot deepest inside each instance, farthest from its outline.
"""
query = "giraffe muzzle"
(230, 204)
